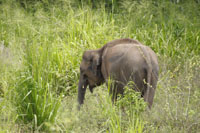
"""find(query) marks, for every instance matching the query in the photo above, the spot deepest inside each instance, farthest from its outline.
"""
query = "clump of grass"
(36, 102)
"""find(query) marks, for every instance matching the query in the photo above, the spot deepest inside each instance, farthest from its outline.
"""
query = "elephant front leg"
(113, 94)
(114, 90)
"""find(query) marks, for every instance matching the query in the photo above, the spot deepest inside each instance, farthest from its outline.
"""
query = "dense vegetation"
(41, 43)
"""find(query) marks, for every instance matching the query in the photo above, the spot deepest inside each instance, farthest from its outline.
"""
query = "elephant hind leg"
(150, 96)
(152, 88)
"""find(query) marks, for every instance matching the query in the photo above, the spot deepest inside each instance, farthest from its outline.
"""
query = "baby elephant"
(122, 60)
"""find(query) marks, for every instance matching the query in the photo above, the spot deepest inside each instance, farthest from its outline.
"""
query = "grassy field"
(41, 44)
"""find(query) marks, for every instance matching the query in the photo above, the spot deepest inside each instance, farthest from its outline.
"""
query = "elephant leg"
(115, 89)
(112, 91)
(149, 97)
(113, 94)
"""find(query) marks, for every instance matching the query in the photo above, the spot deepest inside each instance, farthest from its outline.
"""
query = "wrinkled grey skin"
(123, 60)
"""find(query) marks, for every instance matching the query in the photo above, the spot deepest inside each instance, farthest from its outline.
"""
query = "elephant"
(123, 60)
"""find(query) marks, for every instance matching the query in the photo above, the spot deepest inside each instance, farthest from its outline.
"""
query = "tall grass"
(36, 101)
(41, 44)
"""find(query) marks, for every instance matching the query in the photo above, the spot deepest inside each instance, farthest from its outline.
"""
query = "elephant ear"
(96, 64)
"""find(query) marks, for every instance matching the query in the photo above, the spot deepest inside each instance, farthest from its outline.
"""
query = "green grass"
(41, 44)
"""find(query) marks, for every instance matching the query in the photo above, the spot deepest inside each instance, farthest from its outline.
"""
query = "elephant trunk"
(81, 90)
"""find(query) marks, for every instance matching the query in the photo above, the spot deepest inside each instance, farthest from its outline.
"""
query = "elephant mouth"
(91, 82)
(87, 83)
(91, 88)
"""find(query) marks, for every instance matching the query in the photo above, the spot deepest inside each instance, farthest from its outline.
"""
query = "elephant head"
(90, 73)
